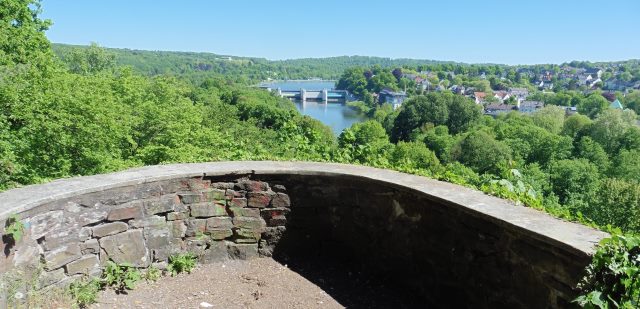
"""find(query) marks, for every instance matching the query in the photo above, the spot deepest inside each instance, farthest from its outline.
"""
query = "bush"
(182, 263)
(121, 277)
(85, 292)
(613, 278)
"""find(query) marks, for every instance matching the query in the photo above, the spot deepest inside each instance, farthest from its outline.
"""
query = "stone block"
(178, 228)
(107, 229)
(127, 247)
(166, 203)
(249, 223)
(244, 212)
(220, 234)
(246, 236)
(157, 237)
(279, 188)
(231, 194)
(259, 199)
(222, 185)
(91, 216)
(90, 246)
(216, 252)
(173, 246)
(131, 210)
(275, 216)
(238, 202)
(85, 265)
(219, 223)
(84, 233)
(48, 278)
(150, 221)
(44, 223)
(214, 195)
(59, 238)
(252, 185)
(27, 253)
(61, 256)
(176, 216)
(242, 251)
(204, 210)
(281, 200)
(195, 227)
(190, 198)
(194, 184)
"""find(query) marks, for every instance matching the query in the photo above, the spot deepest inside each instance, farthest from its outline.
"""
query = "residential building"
(395, 98)
(528, 107)
(496, 109)
(479, 97)
(616, 104)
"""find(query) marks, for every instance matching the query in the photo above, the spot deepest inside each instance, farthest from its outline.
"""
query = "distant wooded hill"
(201, 65)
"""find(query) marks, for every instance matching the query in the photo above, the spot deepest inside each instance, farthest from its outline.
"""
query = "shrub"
(181, 263)
(85, 292)
(613, 278)
(121, 277)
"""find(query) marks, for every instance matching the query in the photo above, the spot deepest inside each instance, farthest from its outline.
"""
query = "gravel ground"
(257, 283)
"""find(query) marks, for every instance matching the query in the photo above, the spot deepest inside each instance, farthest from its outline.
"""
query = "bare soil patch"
(257, 283)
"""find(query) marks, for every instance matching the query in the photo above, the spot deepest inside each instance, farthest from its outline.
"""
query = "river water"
(336, 115)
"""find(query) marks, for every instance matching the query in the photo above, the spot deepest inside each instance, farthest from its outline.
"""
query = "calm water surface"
(335, 115)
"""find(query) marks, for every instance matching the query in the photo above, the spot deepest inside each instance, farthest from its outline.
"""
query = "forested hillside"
(199, 66)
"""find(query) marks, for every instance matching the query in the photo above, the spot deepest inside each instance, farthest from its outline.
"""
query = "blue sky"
(499, 31)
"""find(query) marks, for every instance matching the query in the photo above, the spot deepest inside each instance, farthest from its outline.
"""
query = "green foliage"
(613, 278)
(575, 181)
(180, 263)
(84, 292)
(152, 274)
(593, 105)
(120, 277)
(481, 152)
(22, 38)
(14, 228)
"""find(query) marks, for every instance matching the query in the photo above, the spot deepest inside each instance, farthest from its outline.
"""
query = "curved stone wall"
(449, 245)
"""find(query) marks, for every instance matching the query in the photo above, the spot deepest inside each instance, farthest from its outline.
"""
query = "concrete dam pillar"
(325, 95)
(303, 95)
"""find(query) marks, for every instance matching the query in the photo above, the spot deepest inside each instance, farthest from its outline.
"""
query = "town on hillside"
(500, 89)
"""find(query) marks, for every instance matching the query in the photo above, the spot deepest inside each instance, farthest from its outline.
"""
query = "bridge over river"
(322, 95)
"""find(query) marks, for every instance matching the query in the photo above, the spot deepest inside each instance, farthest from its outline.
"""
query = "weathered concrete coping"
(567, 235)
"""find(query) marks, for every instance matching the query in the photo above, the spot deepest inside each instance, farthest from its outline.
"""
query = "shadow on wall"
(369, 244)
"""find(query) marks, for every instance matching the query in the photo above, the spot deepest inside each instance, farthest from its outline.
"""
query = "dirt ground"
(258, 283)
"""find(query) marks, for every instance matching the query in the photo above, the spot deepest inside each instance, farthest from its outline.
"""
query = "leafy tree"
(550, 118)
(354, 81)
(627, 165)
(588, 149)
(617, 203)
(463, 113)
(481, 152)
(417, 111)
(439, 140)
(91, 60)
(397, 73)
(574, 181)
(593, 105)
(365, 142)
(382, 80)
(610, 127)
(574, 124)
(22, 38)
(414, 155)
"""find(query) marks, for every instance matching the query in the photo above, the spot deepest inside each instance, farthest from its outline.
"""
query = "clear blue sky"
(499, 31)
